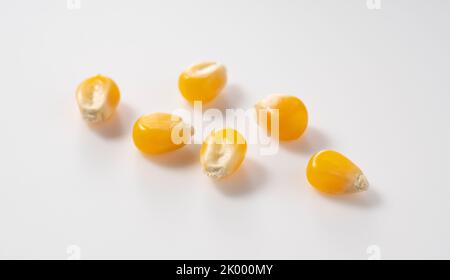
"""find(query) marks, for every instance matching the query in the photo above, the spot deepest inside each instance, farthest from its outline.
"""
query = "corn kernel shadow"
(231, 97)
(184, 156)
(118, 125)
(311, 142)
(367, 199)
(248, 179)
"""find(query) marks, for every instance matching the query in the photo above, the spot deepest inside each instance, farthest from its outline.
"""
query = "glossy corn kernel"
(160, 132)
(331, 172)
(203, 81)
(292, 115)
(97, 98)
(222, 152)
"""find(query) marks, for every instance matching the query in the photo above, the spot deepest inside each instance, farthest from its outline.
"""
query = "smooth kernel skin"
(293, 115)
(202, 81)
(331, 172)
(152, 134)
(98, 98)
(222, 153)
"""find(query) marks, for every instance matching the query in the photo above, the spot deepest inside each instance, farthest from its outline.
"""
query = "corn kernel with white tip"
(202, 81)
(333, 173)
(97, 98)
(222, 153)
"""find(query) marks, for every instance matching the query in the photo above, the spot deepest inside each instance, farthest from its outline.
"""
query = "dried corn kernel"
(97, 98)
(160, 132)
(331, 172)
(203, 81)
(222, 152)
(292, 115)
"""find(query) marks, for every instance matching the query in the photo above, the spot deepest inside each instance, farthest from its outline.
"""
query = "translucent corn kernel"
(331, 172)
(97, 98)
(203, 81)
(222, 153)
(292, 115)
(160, 132)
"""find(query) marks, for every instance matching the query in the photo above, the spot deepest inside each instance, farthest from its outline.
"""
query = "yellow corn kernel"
(292, 115)
(331, 172)
(202, 81)
(97, 98)
(160, 132)
(222, 152)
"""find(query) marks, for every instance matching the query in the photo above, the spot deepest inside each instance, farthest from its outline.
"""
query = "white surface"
(376, 83)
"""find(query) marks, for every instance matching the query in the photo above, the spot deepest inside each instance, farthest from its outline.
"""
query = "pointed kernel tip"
(361, 183)
(92, 116)
(215, 172)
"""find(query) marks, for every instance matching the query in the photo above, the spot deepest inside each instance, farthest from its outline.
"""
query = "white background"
(376, 84)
